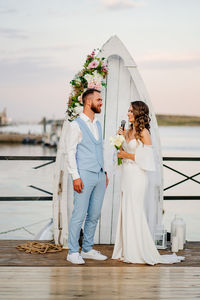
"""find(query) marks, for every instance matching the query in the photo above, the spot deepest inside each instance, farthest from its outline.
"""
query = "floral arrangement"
(92, 75)
(117, 141)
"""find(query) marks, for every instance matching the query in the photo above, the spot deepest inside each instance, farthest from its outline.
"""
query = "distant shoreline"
(177, 120)
(163, 120)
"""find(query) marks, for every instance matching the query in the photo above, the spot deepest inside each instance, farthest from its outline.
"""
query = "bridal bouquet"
(117, 141)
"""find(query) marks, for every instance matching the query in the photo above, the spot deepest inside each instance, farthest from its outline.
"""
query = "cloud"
(25, 68)
(7, 11)
(121, 4)
(170, 62)
(28, 63)
(55, 48)
(12, 33)
(59, 49)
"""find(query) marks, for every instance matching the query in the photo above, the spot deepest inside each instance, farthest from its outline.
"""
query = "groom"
(86, 165)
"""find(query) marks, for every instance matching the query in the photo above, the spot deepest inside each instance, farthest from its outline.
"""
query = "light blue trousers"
(86, 205)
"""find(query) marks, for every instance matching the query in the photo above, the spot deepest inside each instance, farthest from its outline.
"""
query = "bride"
(134, 243)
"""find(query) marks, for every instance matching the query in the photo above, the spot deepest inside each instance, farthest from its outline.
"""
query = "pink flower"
(93, 64)
(89, 57)
(104, 67)
(80, 99)
(98, 86)
(92, 85)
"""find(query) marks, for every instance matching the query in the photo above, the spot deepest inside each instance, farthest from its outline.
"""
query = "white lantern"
(178, 230)
(174, 244)
(160, 237)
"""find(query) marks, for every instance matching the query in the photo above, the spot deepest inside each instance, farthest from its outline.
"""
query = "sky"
(44, 43)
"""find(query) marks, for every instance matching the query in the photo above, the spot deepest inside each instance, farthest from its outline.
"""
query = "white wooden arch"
(124, 84)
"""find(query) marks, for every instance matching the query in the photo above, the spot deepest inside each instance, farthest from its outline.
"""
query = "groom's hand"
(78, 185)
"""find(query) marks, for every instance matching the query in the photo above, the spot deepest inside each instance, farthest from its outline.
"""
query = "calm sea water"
(22, 220)
(25, 128)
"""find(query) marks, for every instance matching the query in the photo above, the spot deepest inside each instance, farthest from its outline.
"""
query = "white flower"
(78, 109)
(112, 142)
(97, 76)
(71, 90)
(78, 81)
(88, 77)
(117, 140)
(93, 79)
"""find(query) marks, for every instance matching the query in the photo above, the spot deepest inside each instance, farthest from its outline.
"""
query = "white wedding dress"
(134, 243)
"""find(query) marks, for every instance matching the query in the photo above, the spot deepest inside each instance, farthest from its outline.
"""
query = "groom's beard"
(96, 109)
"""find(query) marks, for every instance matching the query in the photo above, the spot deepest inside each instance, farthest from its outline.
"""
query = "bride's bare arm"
(146, 140)
(124, 154)
(146, 137)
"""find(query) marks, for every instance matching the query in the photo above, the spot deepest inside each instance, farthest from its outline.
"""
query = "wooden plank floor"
(92, 283)
(10, 256)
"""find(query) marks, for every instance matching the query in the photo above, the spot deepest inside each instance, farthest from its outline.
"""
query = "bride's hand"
(122, 154)
(121, 131)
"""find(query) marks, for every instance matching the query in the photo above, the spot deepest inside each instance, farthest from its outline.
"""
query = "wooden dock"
(10, 256)
(19, 137)
(49, 276)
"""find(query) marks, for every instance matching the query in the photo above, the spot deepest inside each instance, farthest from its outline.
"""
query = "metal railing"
(181, 197)
(51, 159)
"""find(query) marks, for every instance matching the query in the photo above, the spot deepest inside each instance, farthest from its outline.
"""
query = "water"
(25, 128)
(180, 140)
(23, 220)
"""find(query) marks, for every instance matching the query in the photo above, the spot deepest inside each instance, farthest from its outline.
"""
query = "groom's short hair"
(88, 92)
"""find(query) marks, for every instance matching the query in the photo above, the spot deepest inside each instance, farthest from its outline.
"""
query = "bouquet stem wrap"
(119, 160)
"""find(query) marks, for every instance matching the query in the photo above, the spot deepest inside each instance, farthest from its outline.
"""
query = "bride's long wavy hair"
(142, 119)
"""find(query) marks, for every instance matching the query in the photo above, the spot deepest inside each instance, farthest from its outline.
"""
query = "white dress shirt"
(74, 138)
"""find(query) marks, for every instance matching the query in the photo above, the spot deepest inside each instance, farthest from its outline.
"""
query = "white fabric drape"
(144, 157)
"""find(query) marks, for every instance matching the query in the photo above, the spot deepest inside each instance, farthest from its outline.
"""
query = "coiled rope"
(39, 248)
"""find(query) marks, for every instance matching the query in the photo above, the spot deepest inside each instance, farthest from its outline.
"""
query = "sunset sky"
(43, 43)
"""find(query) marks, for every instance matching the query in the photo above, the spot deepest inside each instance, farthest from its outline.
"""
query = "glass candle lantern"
(160, 238)
(178, 229)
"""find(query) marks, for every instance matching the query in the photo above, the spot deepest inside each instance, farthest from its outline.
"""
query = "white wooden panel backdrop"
(124, 85)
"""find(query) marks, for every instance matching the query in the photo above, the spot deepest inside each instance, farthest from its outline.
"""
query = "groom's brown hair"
(88, 92)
